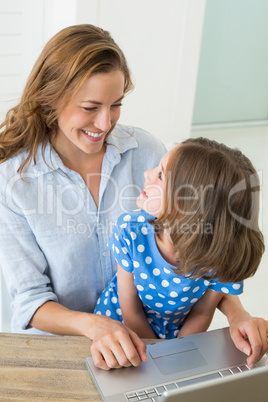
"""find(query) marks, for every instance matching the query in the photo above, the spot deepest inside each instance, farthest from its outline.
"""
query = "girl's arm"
(200, 317)
(131, 305)
(243, 326)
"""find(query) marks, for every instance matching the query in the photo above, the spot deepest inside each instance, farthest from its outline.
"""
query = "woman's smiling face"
(85, 121)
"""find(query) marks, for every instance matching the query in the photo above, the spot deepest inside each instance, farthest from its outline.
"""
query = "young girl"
(195, 238)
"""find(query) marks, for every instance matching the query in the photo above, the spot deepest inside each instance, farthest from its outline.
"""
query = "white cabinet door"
(22, 29)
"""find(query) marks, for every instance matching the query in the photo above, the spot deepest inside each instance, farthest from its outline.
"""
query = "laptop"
(251, 386)
(190, 362)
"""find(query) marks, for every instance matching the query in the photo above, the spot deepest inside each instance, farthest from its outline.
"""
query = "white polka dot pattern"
(141, 248)
(167, 298)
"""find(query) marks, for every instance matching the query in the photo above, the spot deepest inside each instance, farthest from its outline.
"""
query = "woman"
(67, 173)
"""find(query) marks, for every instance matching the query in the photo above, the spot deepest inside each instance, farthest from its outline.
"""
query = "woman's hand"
(114, 345)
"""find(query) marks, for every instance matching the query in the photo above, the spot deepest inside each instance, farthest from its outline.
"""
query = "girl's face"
(151, 197)
(86, 120)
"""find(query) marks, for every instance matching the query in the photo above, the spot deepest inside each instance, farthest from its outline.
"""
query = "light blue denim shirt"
(53, 238)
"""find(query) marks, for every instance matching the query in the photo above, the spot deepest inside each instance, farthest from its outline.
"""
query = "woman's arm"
(201, 315)
(243, 326)
(131, 305)
(114, 345)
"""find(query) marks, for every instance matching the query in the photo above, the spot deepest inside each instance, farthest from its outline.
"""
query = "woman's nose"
(103, 121)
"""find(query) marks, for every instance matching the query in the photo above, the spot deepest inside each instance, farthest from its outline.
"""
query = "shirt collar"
(119, 141)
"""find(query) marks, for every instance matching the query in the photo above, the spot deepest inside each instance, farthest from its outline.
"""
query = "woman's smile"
(94, 136)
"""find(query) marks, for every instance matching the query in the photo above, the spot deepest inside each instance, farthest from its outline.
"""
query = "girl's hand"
(114, 345)
(243, 326)
(255, 330)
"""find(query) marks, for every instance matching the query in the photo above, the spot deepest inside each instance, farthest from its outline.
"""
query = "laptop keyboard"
(153, 394)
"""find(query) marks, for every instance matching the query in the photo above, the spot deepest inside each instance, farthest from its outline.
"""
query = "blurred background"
(199, 69)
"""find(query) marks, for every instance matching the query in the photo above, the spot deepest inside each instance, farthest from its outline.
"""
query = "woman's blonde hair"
(211, 205)
(68, 59)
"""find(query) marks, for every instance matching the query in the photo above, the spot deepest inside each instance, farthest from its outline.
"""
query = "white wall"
(161, 40)
(253, 141)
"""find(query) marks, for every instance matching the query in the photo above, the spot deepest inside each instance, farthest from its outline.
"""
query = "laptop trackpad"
(184, 357)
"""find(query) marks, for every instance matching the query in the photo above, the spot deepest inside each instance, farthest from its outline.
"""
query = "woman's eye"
(93, 109)
(89, 109)
(160, 175)
(117, 105)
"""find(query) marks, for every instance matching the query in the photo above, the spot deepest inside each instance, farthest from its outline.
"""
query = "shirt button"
(82, 185)
(104, 254)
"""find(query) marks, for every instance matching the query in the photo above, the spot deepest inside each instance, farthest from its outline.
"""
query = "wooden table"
(45, 368)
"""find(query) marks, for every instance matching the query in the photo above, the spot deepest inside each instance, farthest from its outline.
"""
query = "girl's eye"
(160, 175)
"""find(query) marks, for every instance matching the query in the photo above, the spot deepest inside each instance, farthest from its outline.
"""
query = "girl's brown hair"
(68, 59)
(211, 205)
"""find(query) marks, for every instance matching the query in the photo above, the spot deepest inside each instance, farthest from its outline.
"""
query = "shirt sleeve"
(120, 243)
(228, 288)
(24, 266)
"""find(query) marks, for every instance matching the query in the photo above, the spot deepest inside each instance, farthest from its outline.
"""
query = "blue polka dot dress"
(167, 298)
